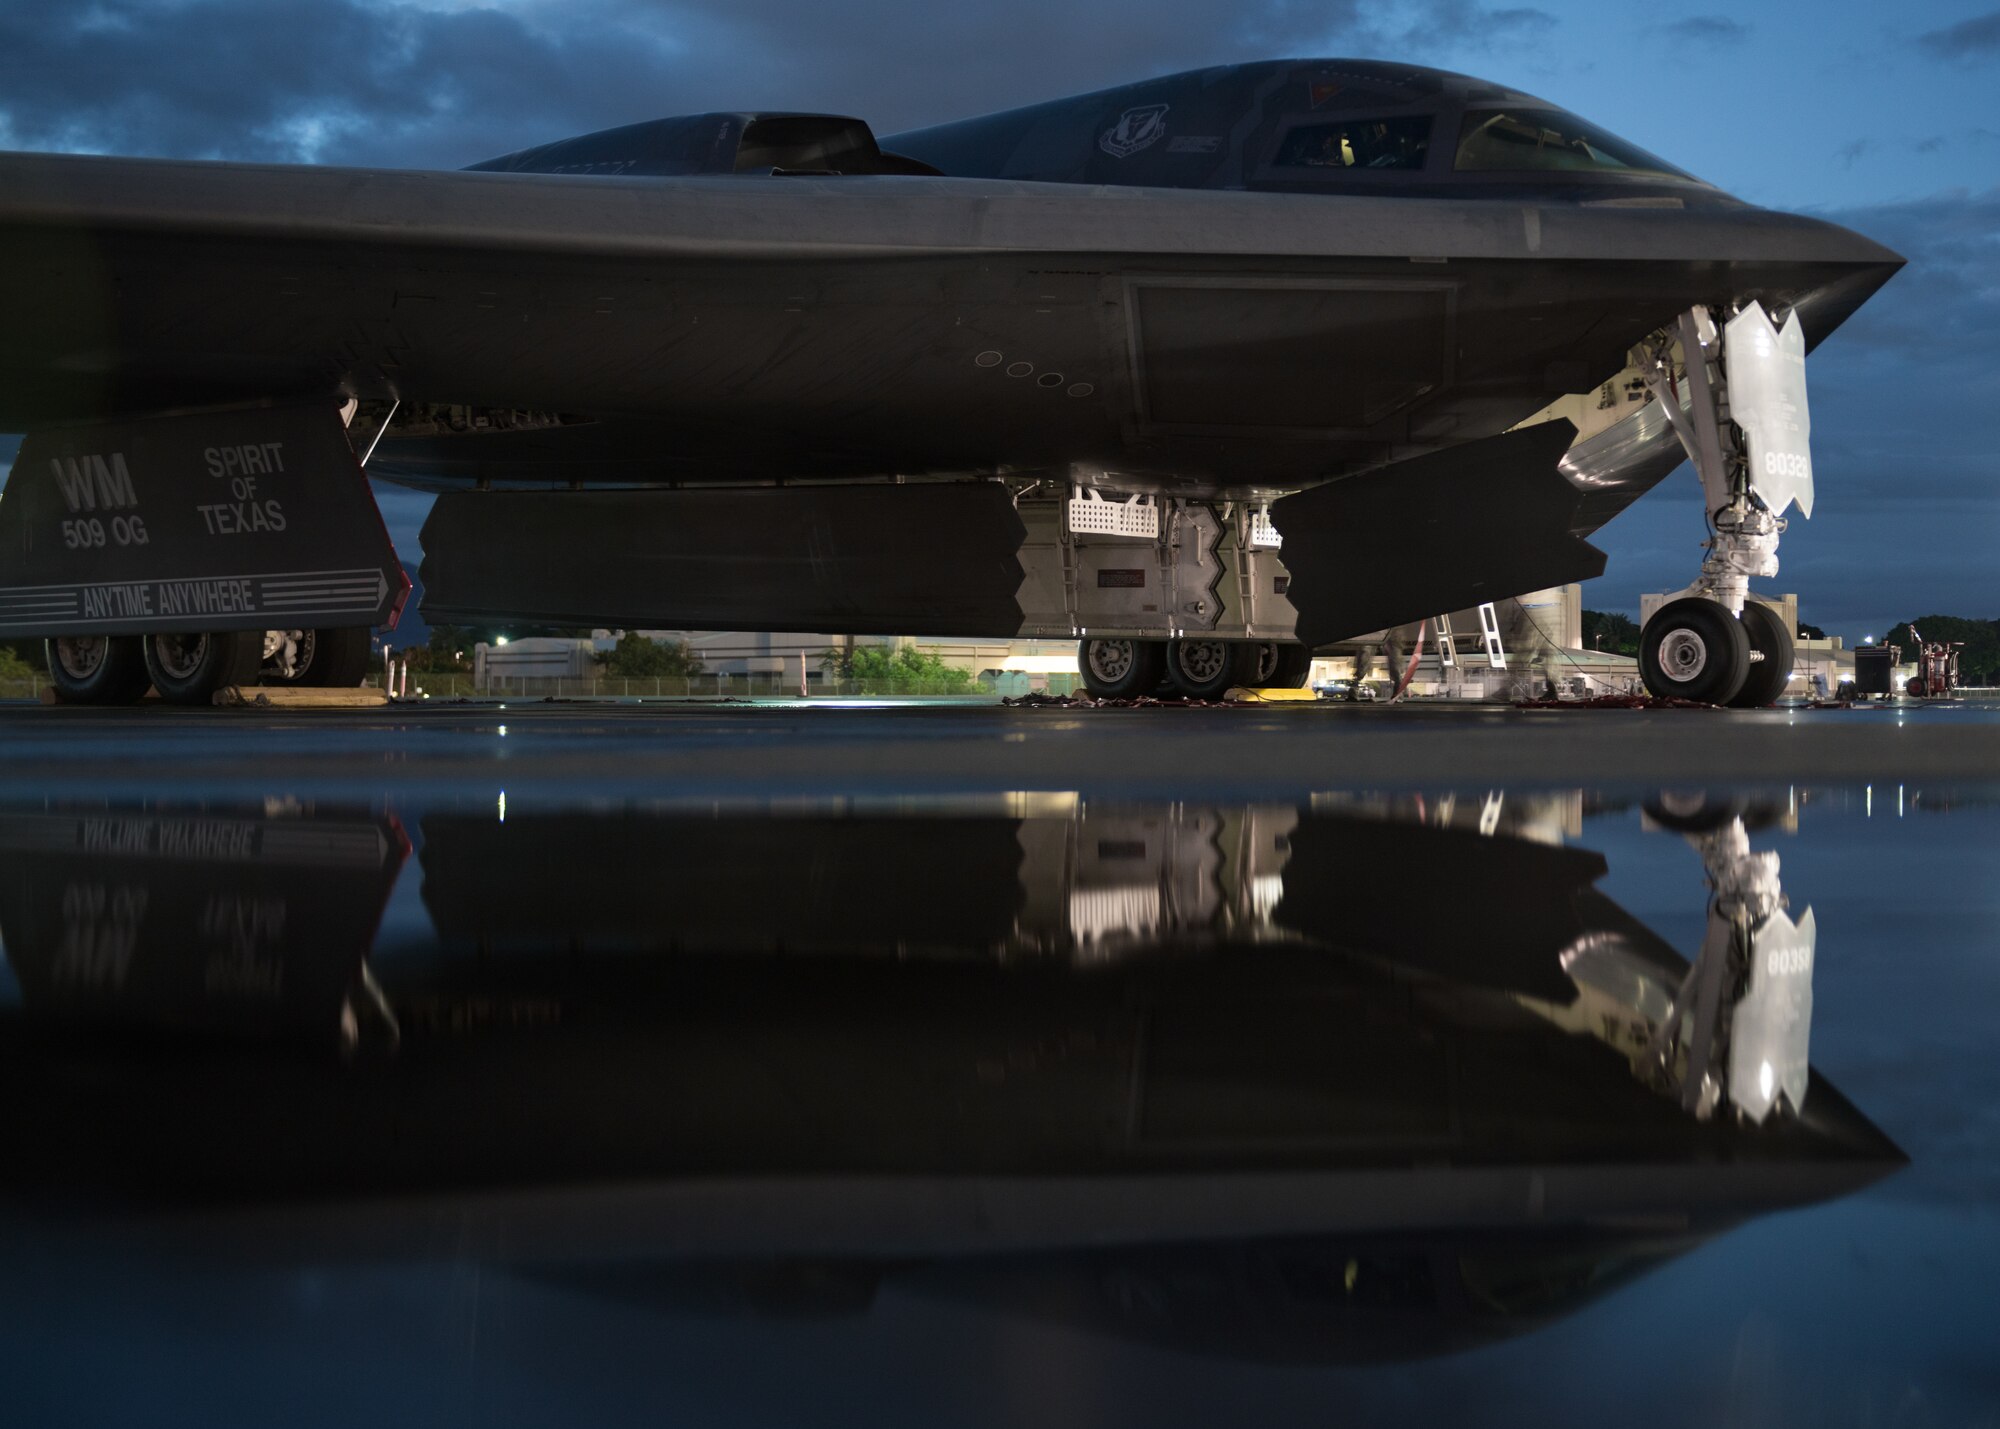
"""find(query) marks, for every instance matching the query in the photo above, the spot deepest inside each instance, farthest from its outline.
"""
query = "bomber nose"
(1868, 266)
(1826, 242)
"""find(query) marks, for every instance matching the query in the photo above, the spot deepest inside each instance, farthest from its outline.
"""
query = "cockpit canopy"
(1516, 140)
(1308, 126)
(1304, 126)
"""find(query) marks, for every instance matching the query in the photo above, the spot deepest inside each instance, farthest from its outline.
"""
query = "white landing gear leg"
(1740, 1023)
(1747, 431)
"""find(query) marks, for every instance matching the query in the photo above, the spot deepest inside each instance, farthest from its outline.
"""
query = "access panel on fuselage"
(1308, 355)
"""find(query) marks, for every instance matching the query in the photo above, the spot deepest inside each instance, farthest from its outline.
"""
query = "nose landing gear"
(1694, 649)
(1746, 429)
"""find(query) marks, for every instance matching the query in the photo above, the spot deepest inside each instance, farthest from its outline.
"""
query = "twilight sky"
(1884, 118)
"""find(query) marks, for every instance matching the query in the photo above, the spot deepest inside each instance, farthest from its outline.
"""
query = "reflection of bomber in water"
(1188, 1075)
(257, 923)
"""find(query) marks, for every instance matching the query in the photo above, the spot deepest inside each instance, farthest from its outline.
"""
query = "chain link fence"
(764, 686)
(758, 686)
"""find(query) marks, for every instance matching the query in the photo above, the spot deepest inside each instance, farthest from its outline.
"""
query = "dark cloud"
(1705, 30)
(436, 83)
(1977, 38)
(1469, 23)
(1944, 308)
(244, 79)
(1849, 152)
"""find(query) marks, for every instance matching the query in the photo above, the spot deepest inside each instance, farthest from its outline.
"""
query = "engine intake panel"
(715, 144)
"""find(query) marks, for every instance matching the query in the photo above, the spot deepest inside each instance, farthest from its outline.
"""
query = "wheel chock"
(288, 698)
(1275, 696)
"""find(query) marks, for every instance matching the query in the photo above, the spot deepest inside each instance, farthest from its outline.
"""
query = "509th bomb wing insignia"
(1137, 128)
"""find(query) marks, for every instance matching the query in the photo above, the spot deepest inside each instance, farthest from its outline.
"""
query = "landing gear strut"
(1746, 430)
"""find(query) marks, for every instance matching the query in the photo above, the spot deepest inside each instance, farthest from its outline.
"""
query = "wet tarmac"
(862, 749)
(962, 1065)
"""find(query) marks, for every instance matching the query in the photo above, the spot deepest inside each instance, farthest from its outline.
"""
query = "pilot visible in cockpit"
(1376, 144)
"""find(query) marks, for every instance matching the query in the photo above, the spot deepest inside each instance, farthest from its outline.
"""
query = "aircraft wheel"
(1692, 811)
(1255, 662)
(1694, 649)
(97, 669)
(323, 659)
(1765, 679)
(271, 668)
(1201, 669)
(1293, 667)
(188, 669)
(1120, 669)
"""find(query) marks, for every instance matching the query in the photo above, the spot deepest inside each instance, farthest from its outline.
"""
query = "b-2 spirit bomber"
(1204, 371)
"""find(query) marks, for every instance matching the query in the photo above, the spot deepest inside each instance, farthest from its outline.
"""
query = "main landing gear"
(1746, 431)
(188, 668)
(320, 659)
(1194, 668)
(97, 669)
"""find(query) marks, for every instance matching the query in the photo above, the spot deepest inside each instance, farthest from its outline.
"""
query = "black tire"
(1255, 662)
(1766, 678)
(188, 669)
(1915, 685)
(271, 672)
(323, 659)
(97, 669)
(1692, 811)
(1202, 668)
(1294, 666)
(1694, 649)
(1120, 669)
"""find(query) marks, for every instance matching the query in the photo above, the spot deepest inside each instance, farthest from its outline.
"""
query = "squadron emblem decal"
(1136, 129)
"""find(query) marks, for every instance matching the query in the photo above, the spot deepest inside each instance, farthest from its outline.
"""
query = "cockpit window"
(1501, 140)
(1401, 143)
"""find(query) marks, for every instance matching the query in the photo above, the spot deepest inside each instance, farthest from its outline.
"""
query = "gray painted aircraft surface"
(1041, 372)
